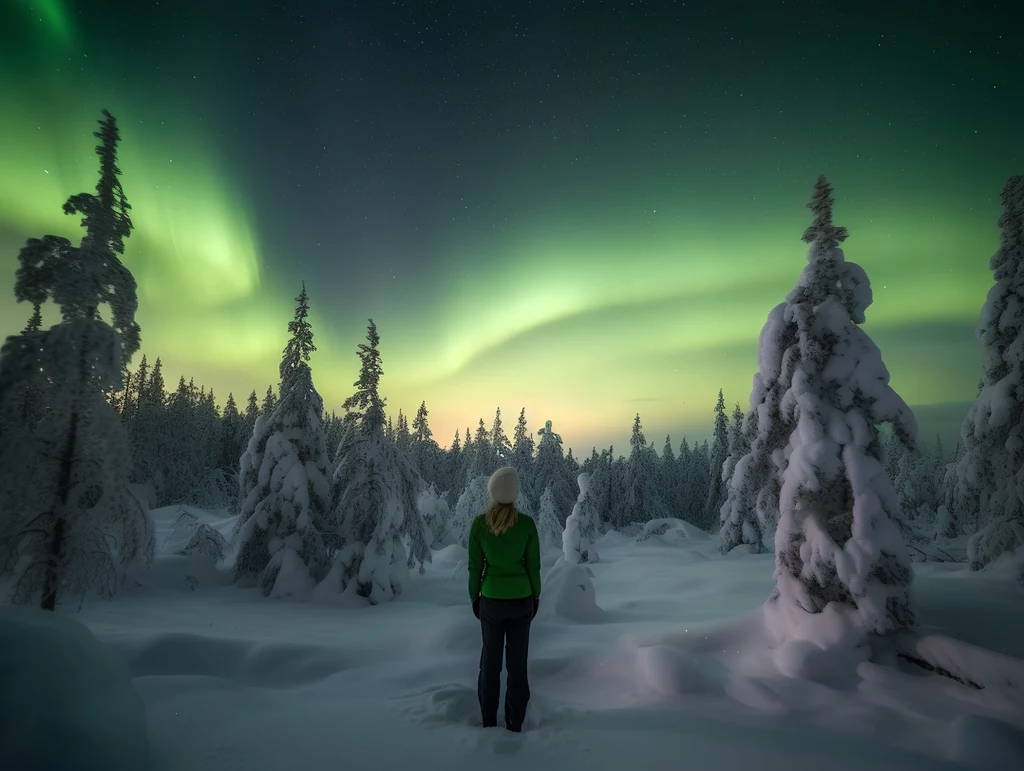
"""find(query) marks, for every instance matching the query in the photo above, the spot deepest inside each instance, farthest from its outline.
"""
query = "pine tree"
(300, 345)
(642, 499)
(836, 394)
(63, 481)
(685, 460)
(717, 483)
(420, 428)
(668, 479)
(549, 470)
(154, 393)
(402, 435)
(739, 512)
(482, 458)
(985, 486)
(375, 490)
(285, 494)
(548, 528)
(141, 384)
(252, 411)
(35, 321)
(522, 458)
(500, 445)
(423, 450)
(232, 425)
(751, 509)
(269, 401)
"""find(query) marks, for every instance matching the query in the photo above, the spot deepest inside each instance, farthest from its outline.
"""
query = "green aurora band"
(603, 313)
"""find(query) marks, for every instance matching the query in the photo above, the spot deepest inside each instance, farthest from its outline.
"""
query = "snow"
(676, 663)
(67, 700)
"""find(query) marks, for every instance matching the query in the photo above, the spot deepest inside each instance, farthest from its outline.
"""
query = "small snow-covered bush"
(999, 537)
(569, 594)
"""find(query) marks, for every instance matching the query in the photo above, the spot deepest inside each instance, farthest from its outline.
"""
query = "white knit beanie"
(504, 485)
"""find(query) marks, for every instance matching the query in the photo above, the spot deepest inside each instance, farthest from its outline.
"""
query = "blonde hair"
(501, 517)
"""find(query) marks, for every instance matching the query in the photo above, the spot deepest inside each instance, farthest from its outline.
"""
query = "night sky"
(586, 209)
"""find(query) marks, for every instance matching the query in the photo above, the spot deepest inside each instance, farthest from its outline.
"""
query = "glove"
(536, 606)
(476, 607)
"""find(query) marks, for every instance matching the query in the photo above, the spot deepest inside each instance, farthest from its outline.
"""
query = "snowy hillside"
(677, 671)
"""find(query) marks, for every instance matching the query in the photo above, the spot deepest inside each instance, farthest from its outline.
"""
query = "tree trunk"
(56, 550)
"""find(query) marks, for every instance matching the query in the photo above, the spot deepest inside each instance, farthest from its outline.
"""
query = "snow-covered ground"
(675, 673)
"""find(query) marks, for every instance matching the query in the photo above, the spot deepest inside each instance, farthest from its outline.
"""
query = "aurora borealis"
(584, 209)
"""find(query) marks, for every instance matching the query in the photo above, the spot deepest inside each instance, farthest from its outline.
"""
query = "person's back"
(507, 570)
(504, 585)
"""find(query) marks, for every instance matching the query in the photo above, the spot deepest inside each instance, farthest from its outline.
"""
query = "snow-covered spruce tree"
(71, 524)
(718, 484)
(423, 450)
(402, 434)
(481, 455)
(300, 342)
(435, 511)
(698, 482)
(549, 530)
(231, 437)
(269, 401)
(473, 501)
(549, 470)
(987, 484)
(500, 445)
(836, 541)
(375, 488)
(522, 459)
(668, 479)
(284, 501)
(751, 509)
(643, 499)
(582, 526)
(918, 496)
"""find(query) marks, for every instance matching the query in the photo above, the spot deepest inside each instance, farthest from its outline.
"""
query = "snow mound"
(613, 539)
(268, 665)
(446, 704)
(670, 672)
(450, 557)
(993, 671)
(568, 593)
(67, 701)
(672, 531)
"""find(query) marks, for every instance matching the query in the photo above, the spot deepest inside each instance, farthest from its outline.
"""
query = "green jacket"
(506, 566)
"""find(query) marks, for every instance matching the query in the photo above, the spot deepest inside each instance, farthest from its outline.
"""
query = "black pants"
(505, 625)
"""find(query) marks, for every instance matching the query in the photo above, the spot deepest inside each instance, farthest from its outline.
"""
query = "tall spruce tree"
(154, 393)
(375, 492)
(985, 489)
(836, 541)
(269, 401)
(738, 514)
(63, 481)
(500, 445)
(717, 485)
(549, 471)
(668, 478)
(300, 343)
(284, 518)
(643, 501)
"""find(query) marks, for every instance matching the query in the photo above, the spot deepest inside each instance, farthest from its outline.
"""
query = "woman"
(504, 585)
